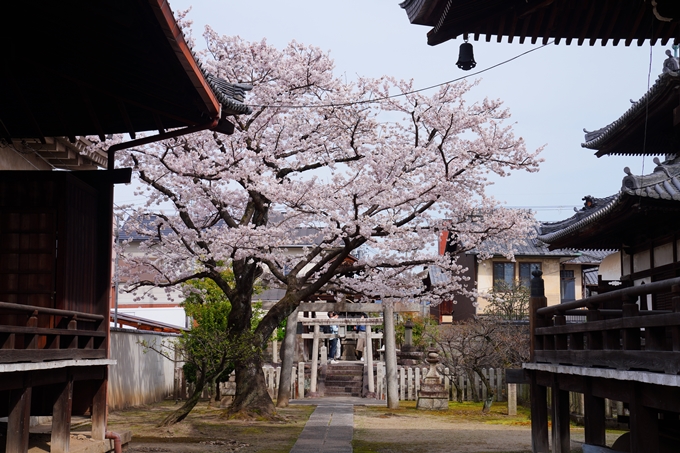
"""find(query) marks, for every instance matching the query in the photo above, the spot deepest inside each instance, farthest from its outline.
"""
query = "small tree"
(209, 349)
(509, 301)
(470, 346)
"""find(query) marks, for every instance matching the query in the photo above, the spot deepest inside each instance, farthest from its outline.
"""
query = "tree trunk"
(181, 413)
(251, 389)
(489, 390)
(287, 359)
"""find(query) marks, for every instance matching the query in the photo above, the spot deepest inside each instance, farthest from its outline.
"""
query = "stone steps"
(344, 380)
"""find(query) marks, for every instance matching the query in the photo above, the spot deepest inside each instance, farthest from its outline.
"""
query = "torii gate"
(387, 309)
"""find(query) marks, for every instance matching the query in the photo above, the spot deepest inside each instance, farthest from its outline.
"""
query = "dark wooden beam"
(99, 413)
(61, 418)
(126, 118)
(19, 420)
(594, 417)
(525, 27)
(644, 423)
(539, 416)
(586, 23)
(612, 24)
(513, 28)
(600, 23)
(536, 29)
(638, 20)
(28, 111)
(93, 115)
(501, 28)
(554, 8)
(560, 418)
(158, 122)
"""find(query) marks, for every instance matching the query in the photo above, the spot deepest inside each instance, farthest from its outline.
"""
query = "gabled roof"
(646, 127)
(577, 21)
(98, 68)
(530, 247)
(646, 206)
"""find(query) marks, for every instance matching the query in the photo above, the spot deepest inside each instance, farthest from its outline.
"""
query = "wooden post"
(537, 300)
(539, 416)
(368, 354)
(512, 399)
(644, 423)
(390, 357)
(99, 410)
(594, 418)
(61, 419)
(560, 419)
(315, 361)
(539, 402)
(19, 420)
(631, 337)
(287, 359)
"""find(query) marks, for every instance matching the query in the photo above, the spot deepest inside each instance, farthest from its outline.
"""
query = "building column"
(19, 420)
(594, 417)
(644, 423)
(61, 419)
(539, 416)
(560, 419)
(99, 409)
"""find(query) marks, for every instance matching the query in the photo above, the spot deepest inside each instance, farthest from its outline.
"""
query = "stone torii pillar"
(390, 358)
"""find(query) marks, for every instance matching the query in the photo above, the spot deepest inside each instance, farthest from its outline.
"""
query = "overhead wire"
(383, 98)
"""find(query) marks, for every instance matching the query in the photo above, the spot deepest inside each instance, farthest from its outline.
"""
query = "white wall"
(139, 378)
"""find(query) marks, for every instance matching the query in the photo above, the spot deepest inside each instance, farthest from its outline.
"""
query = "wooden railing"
(615, 333)
(70, 335)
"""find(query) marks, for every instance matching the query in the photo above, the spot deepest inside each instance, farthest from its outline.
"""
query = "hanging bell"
(466, 60)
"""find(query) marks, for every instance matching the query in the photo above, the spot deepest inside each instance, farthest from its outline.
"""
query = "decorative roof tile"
(661, 184)
(657, 93)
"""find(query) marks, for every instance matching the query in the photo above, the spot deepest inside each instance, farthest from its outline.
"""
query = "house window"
(503, 275)
(525, 270)
(567, 286)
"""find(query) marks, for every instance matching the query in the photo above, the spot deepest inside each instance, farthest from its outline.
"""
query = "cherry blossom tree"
(333, 166)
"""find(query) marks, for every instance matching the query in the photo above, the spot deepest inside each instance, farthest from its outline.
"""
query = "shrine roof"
(645, 204)
(73, 69)
(567, 21)
(646, 128)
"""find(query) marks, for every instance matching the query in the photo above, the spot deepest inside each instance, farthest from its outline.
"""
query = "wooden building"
(70, 69)
(629, 348)
(627, 345)
(565, 21)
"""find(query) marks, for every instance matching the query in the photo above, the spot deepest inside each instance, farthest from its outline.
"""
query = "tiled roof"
(231, 95)
(659, 92)
(589, 257)
(311, 235)
(528, 247)
(663, 183)
(590, 277)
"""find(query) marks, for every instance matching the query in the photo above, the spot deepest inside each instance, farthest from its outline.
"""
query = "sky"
(553, 93)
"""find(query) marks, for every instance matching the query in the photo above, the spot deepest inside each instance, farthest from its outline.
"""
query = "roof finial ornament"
(670, 64)
(627, 171)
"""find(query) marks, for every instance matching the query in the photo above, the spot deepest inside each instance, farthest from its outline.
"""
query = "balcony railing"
(38, 334)
(616, 334)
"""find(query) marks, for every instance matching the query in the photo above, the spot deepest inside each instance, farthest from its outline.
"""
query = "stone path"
(330, 428)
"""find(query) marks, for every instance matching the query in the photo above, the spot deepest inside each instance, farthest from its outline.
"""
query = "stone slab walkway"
(330, 428)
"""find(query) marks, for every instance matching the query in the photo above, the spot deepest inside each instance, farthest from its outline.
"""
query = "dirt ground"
(463, 428)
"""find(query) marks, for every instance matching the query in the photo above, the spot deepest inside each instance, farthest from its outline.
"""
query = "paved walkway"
(330, 428)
